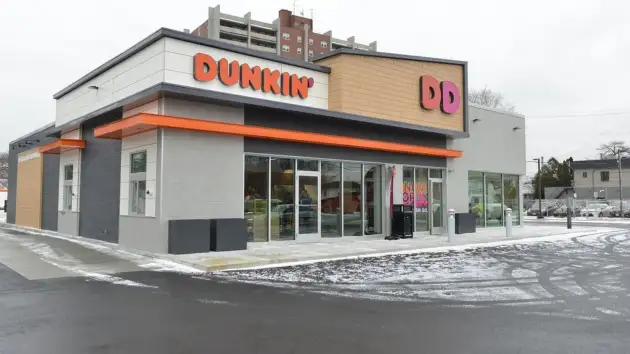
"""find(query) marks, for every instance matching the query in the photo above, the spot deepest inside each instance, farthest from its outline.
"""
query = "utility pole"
(540, 161)
(620, 190)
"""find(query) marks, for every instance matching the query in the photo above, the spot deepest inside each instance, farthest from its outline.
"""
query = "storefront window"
(475, 197)
(331, 199)
(510, 197)
(373, 199)
(436, 173)
(352, 213)
(421, 205)
(494, 201)
(256, 184)
(282, 199)
(308, 165)
(408, 188)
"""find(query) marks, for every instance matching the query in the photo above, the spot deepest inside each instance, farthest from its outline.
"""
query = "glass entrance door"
(437, 210)
(307, 199)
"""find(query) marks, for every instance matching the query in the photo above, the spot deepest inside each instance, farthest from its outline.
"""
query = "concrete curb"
(223, 265)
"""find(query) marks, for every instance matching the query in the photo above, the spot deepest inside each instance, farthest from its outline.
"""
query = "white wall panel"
(141, 142)
(179, 70)
(123, 80)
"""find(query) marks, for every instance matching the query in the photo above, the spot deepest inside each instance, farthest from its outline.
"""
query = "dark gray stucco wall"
(14, 150)
(50, 192)
(99, 197)
(303, 122)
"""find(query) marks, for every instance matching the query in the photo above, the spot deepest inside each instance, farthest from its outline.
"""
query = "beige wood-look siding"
(28, 209)
(389, 89)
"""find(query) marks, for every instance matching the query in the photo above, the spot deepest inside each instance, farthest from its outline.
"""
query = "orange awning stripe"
(144, 122)
(62, 145)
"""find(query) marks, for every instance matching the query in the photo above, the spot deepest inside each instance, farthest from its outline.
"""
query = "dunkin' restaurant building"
(181, 128)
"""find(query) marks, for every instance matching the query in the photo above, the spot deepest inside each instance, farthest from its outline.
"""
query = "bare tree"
(4, 169)
(613, 149)
(487, 97)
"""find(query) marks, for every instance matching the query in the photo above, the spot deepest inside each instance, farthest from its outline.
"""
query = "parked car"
(615, 209)
(596, 209)
(562, 211)
(534, 210)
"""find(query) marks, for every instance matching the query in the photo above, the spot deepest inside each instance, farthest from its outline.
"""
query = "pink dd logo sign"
(433, 94)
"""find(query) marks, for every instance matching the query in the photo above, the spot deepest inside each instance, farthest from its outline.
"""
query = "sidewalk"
(285, 253)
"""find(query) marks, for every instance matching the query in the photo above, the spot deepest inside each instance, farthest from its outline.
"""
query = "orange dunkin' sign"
(206, 68)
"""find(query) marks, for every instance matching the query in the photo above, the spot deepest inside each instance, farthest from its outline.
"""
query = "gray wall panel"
(100, 182)
(314, 124)
(494, 146)
(142, 233)
(202, 175)
(304, 122)
(68, 222)
(50, 192)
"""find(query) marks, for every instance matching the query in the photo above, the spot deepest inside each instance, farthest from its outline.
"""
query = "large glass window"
(373, 199)
(256, 186)
(408, 188)
(494, 200)
(510, 197)
(475, 197)
(331, 199)
(282, 199)
(138, 183)
(352, 213)
(421, 207)
(489, 194)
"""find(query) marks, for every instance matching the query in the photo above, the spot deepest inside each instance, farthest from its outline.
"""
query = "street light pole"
(539, 160)
(620, 190)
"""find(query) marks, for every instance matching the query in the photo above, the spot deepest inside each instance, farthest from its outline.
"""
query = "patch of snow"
(149, 262)
(563, 315)
(215, 302)
(608, 311)
(165, 265)
(72, 265)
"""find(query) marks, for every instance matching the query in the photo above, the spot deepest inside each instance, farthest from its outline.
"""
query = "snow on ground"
(144, 260)
(71, 264)
(580, 219)
(507, 274)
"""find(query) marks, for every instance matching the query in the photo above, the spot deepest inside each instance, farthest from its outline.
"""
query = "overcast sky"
(561, 63)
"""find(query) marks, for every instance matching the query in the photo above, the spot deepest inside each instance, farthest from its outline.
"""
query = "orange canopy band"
(62, 145)
(144, 122)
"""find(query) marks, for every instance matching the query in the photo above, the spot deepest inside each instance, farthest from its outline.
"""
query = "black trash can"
(402, 221)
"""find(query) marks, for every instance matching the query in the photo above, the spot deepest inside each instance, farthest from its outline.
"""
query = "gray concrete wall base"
(68, 223)
(143, 233)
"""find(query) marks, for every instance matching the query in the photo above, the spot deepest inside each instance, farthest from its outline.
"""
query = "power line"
(584, 114)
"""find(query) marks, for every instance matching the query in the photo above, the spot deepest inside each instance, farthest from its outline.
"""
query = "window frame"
(286, 35)
(135, 178)
(299, 39)
(585, 174)
(310, 53)
(310, 41)
(67, 187)
(286, 48)
(324, 44)
(299, 50)
(602, 174)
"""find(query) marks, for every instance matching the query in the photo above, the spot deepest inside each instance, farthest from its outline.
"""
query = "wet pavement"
(564, 297)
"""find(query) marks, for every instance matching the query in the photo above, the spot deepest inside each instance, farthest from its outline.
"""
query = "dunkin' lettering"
(206, 68)
(433, 94)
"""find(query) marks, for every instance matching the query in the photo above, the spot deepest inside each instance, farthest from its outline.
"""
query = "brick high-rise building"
(289, 35)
